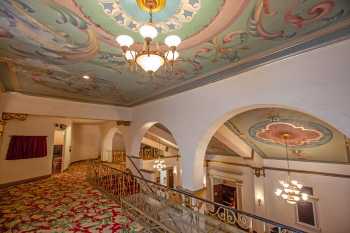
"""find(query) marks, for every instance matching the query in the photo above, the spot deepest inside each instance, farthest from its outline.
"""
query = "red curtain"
(25, 147)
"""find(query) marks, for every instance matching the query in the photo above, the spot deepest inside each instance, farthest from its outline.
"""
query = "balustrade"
(136, 192)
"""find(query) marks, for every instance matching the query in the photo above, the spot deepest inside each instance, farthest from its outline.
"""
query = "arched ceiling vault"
(46, 46)
(309, 139)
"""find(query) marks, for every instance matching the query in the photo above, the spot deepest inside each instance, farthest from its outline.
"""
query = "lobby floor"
(62, 203)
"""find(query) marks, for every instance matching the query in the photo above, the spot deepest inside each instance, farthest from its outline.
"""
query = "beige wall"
(59, 137)
(14, 170)
(86, 141)
(118, 142)
(20, 103)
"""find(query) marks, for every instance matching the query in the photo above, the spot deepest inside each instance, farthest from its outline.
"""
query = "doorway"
(58, 150)
(166, 177)
(225, 195)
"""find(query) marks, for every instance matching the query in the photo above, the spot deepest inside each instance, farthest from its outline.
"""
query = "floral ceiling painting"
(308, 138)
(47, 45)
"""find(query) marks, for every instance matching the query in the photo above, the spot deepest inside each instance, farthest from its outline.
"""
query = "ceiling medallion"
(302, 134)
(151, 5)
(148, 58)
(169, 15)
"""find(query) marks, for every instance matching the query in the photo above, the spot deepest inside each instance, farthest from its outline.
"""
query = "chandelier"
(159, 164)
(290, 191)
(150, 59)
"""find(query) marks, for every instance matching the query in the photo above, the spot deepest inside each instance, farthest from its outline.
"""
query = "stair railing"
(121, 184)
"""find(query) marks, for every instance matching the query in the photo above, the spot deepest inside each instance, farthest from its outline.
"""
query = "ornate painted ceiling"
(46, 46)
(309, 138)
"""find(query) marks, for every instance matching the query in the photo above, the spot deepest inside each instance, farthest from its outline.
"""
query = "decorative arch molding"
(140, 133)
(107, 144)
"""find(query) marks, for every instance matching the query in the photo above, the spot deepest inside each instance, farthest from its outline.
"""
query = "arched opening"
(159, 155)
(249, 152)
(114, 150)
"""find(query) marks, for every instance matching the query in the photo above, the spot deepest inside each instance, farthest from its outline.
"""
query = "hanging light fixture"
(148, 59)
(159, 164)
(290, 190)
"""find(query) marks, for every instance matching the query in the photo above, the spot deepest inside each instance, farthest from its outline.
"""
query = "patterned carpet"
(61, 203)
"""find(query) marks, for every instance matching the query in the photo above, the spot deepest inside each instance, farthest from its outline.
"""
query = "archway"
(113, 146)
(253, 150)
(243, 124)
(158, 156)
(239, 145)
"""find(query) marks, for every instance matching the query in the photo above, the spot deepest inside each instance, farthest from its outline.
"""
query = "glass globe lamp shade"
(171, 55)
(148, 31)
(125, 40)
(172, 41)
(291, 202)
(278, 192)
(304, 196)
(130, 55)
(150, 62)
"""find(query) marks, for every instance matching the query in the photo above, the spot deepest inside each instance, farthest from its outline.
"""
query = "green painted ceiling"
(311, 140)
(47, 45)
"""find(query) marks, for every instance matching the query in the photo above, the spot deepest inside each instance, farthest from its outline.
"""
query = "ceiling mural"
(173, 15)
(308, 138)
(300, 134)
(46, 46)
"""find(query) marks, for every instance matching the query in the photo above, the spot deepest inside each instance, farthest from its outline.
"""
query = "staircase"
(157, 208)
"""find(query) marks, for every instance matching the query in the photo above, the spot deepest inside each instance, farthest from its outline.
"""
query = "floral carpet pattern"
(61, 203)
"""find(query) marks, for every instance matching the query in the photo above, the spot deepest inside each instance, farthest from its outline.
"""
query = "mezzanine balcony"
(157, 208)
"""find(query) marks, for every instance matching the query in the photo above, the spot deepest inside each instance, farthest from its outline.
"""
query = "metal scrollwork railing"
(121, 185)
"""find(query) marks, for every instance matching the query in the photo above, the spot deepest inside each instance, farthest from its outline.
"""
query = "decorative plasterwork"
(6, 116)
(123, 123)
(259, 171)
(301, 134)
(129, 15)
(2, 127)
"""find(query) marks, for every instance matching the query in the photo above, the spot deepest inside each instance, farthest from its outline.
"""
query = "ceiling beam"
(232, 141)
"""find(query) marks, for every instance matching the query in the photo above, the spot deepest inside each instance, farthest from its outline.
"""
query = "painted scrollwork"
(50, 45)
